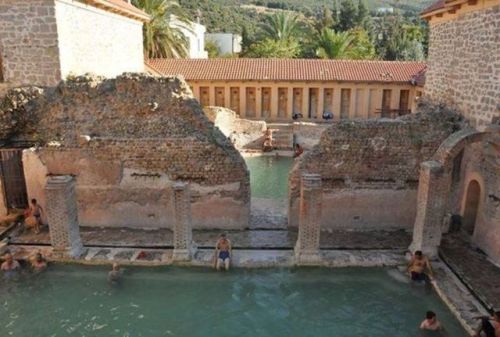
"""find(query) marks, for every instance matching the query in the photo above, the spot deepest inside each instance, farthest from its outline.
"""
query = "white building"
(195, 34)
(227, 43)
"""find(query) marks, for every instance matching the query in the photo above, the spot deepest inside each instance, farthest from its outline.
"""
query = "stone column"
(321, 104)
(62, 216)
(227, 97)
(305, 102)
(274, 102)
(336, 103)
(183, 234)
(307, 246)
(258, 102)
(289, 103)
(243, 101)
(431, 203)
(3, 200)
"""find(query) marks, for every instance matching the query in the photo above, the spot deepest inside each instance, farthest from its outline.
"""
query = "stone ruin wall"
(481, 162)
(464, 65)
(370, 170)
(31, 54)
(127, 140)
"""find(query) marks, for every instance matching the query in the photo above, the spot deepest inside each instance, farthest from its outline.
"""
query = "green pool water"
(269, 176)
(153, 302)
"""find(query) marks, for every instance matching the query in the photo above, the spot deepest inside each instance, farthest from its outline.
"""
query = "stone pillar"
(307, 246)
(321, 103)
(227, 97)
(431, 203)
(183, 234)
(289, 103)
(243, 101)
(274, 102)
(305, 102)
(258, 102)
(336, 103)
(3, 200)
(211, 94)
(62, 216)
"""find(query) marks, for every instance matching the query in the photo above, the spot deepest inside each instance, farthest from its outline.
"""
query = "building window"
(404, 97)
(345, 103)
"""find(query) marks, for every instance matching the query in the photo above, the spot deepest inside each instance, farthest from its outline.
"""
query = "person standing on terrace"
(223, 253)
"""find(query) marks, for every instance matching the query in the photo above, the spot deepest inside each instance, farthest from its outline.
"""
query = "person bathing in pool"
(419, 267)
(223, 253)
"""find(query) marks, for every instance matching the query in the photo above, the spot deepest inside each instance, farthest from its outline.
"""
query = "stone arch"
(434, 186)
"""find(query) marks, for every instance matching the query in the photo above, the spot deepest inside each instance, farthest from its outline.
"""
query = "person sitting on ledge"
(431, 322)
(268, 141)
(10, 265)
(417, 267)
(298, 150)
(327, 115)
(38, 263)
(223, 252)
(490, 326)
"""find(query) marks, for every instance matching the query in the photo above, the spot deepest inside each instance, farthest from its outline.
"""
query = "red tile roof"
(435, 6)
(121, 7)
(288, 69)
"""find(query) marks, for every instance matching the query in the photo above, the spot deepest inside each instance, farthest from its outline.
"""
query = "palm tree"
(344, 45)
(332, 45)
(281, 26)
(160, 38)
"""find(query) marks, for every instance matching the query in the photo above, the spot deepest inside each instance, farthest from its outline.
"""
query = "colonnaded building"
(277, 89)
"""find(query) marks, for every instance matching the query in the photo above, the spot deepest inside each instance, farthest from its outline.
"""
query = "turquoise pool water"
(153, 302)
(269, 176)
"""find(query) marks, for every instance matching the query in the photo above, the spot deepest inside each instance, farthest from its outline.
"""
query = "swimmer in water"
(419, 267)
(38, 263)
(223, 253)
(115, 275)
(10, 265)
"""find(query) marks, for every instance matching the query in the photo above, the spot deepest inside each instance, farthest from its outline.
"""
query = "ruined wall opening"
(471, 207)
(12, 183)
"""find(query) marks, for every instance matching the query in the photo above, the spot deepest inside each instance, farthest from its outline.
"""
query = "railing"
(392, 113)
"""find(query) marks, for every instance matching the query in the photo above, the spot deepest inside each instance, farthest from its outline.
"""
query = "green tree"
(344, 45)
(212, 49)
(348, 16)
(270, 48)
(362, 14)
(281, 26)
(159, 38)
(324, 19)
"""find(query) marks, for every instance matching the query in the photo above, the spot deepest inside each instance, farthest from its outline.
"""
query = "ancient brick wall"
(480, 163)
(370, 169)
(464, 64)
(127, 140)
(28, 42)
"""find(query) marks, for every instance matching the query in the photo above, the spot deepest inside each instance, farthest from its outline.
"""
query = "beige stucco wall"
(96, 41)
(464, 61)
(366, 98)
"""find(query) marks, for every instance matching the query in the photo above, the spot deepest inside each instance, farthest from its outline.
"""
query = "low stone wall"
(308, 134)
(127, 140)
(243, 133)
(370, 169)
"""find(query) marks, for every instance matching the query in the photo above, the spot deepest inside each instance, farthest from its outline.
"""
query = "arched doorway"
(471, 206)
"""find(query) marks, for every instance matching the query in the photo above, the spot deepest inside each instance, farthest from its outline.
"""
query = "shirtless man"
(38, 263)
(36, 211)
(417, 267)
(223, 252)
(490, 326)
(431, 322)
(10, 265)
(115, 275)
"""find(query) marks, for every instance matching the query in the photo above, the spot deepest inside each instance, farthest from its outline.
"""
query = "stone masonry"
(28, 44)
(464, 64)
(62, 216)
(307, 247)
(127, 140)
(183, 233)
(370, 169)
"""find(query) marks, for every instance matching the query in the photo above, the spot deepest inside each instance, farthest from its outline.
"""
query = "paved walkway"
(472, 266)
(242, 239)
